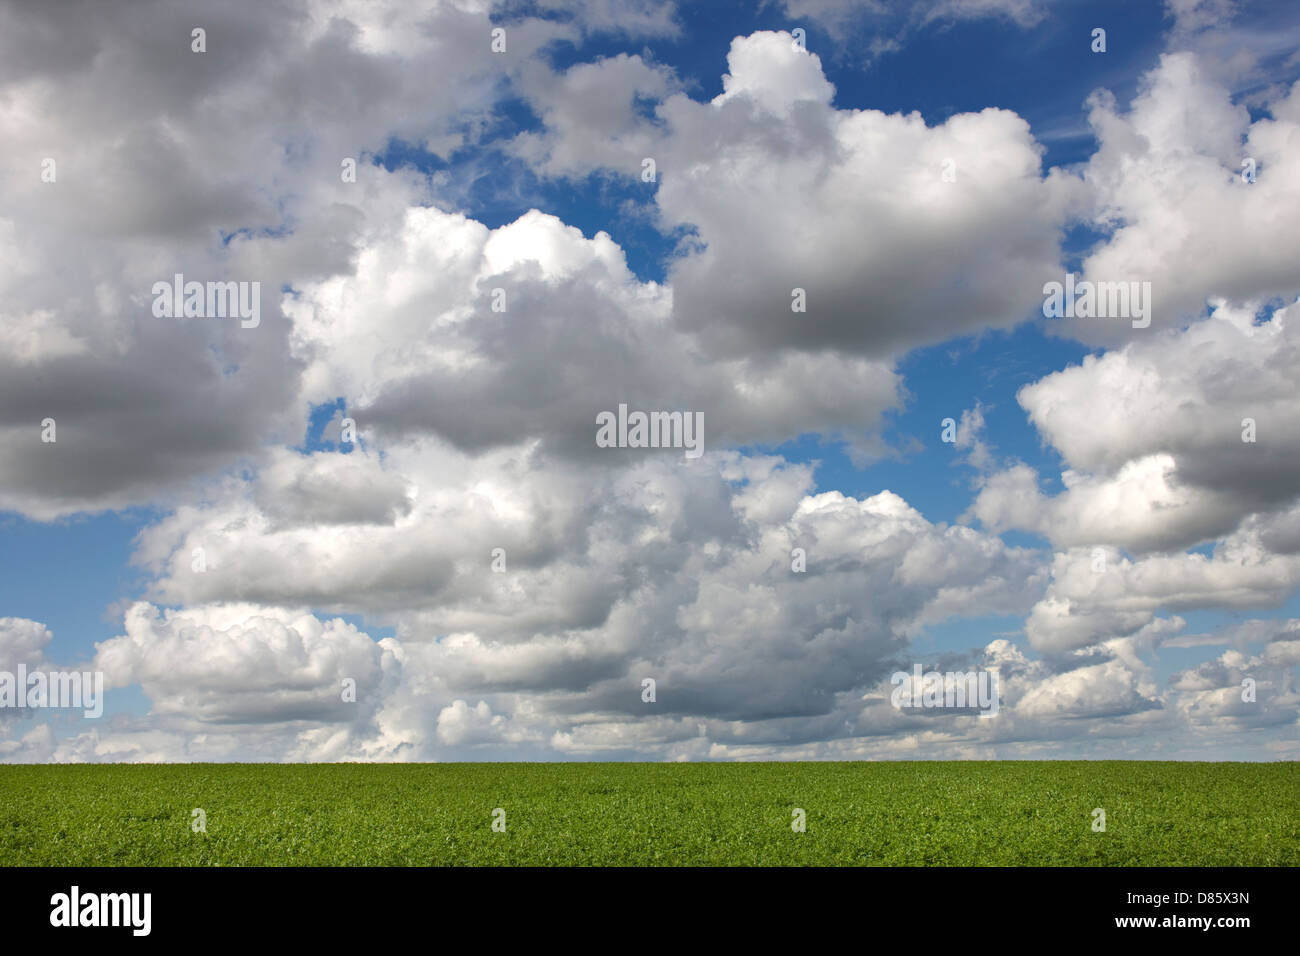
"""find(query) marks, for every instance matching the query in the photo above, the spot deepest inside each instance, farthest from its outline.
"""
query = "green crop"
(858, 814)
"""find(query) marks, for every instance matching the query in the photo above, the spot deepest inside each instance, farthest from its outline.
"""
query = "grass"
(858, 814)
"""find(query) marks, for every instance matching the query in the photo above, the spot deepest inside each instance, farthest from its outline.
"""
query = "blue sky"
(490, 148)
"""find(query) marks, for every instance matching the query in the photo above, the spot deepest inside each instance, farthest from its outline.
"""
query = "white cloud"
(1098, 595)
(779, 190)
(476, 427)
(1166, 182)
(243, 665)
(1154, 437)
(218, 165)
(22, 642)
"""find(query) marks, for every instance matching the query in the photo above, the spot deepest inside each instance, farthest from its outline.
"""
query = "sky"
(373, 518)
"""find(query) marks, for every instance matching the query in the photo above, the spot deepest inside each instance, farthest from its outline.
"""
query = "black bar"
(940, 906)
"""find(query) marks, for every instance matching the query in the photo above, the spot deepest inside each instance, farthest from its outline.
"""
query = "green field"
(858, 814)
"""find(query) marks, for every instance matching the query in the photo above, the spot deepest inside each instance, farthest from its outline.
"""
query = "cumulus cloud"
(490, 338)
(1169, 441)
(1098, 690)
(775, 187)
(233, 664)
(1237, 691)
(531, 580)
(686, 575)
(219, 165)
(1097, 594)
(1167, 184)
(22, 642)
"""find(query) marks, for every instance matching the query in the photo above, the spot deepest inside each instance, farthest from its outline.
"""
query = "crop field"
(857, 814)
